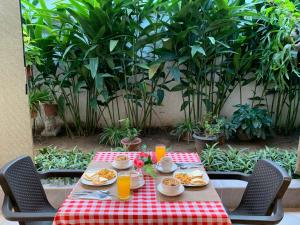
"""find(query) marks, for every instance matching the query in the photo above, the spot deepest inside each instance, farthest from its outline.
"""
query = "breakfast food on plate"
(99, 177)
(183, 177)
(121, 158)
(198, 181)
(170, 181)
(99, 180)
(194, 177)
(106, 173)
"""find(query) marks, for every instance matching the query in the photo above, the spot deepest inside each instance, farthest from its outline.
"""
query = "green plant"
(52, 157)
(130, 132)
(112, 136)
(36, 97)
(231, 159)
(185, 128)
(255, 122)
(212, 125)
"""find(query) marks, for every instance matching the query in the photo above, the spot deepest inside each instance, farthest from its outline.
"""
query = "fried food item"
(99, 177)
(183, 177)
(106, 173)
(99, 180)
(191, 178)
(198, 181)
(196, 174)
(89, 175)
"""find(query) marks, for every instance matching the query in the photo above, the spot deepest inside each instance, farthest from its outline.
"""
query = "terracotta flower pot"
(29, 72)
(50, 109)
(33, 114)
(131, 145)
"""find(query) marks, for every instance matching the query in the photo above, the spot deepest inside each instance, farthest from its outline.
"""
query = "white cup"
(121, 163)
(170, 189)
(135, 178)
(166, 163)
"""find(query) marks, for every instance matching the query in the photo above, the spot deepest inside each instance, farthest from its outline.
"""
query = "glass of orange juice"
(123, 184)
(160, 151)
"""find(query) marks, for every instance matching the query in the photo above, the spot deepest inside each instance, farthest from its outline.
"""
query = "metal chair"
(25, 199)
(261, 201)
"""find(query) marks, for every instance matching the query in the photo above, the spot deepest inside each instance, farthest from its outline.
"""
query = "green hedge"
(231, 159)
(213, 158)
(52, 157)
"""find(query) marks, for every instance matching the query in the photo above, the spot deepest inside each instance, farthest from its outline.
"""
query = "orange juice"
(123, 184)
(160, 151)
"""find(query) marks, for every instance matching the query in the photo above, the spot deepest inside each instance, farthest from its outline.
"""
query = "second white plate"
(90, 183)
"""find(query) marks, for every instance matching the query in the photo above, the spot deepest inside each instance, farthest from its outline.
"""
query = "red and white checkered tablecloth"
(143, 208)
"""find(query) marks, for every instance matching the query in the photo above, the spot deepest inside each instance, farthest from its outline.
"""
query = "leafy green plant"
(52, 157)
(255, 122)
(212, 125)
(36, 97)
(231, 159)
(186, 129)
(112, 136)
(130, 132)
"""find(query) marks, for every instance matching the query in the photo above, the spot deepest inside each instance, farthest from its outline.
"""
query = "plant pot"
(29, 72)
(186, 137)
(242, 136)
(131, 145)
(201, 140)
(50, 109)
(33, 114)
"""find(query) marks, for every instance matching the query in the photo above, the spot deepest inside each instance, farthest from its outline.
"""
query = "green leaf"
(112, 44)
(212, 40)
(197, 49)
(99, 82)
(160, 96)
(153, 69)
(93, 66)
(143, 66)
(175, 73)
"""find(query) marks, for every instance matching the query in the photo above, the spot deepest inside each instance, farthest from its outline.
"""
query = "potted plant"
(210, 132)
(251, 122)
(131, 142)
(50, 108)
(184, 130)
(35, 98)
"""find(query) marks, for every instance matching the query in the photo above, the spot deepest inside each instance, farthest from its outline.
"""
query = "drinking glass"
(160, 151)
(123, 183)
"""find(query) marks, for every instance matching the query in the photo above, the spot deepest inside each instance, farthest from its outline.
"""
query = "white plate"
(122, 167)
(160, 169)
(180, 191)
(90, 183)
(141, 184)
(205, 177)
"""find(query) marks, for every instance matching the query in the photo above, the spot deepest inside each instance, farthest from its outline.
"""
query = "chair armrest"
(11, 215)
(275, 218)
(60, 173)
(228, 175)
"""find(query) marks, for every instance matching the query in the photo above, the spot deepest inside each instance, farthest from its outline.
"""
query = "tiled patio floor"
(292, 217)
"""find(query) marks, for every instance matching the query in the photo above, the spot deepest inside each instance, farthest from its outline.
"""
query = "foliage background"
(119, 58)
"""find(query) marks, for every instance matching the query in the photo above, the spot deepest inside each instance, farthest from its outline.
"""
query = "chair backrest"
(20, 182)
(267, 183)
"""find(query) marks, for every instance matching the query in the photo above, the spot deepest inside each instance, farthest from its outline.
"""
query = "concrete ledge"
(230, 191)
